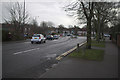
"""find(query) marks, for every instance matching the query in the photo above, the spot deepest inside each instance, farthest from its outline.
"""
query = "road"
(26, 60)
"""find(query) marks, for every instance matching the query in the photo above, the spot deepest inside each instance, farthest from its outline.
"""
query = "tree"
(44, 27)
(76, 28)
(34, 22)
(70, 27)
(84, 10)
(61, 28)
(103, 13)
(35, 26)
(18, 17)
(50, 24)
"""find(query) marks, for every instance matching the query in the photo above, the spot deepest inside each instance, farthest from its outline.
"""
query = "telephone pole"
(24, 13)
(23, 17)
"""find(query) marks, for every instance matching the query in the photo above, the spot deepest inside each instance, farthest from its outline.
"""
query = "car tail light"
(39, 37)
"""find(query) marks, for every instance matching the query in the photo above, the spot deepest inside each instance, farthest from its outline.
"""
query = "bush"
(5, 35)
(17, 37)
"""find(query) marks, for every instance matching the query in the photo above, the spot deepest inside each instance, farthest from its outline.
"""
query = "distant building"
(82, 32)
(66, 32)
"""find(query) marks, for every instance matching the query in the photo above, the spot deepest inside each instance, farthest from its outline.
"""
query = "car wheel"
(39, 42)
(44, 41)
(31, 42)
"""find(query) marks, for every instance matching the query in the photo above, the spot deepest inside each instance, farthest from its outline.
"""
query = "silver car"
(38, 38)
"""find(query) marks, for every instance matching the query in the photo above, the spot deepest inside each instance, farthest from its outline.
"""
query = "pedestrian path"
(79, 68)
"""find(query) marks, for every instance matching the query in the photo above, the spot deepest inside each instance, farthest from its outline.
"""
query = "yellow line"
(59, 58)
(66, 53)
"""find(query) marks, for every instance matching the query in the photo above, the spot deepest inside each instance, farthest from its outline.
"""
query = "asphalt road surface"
(26, 60)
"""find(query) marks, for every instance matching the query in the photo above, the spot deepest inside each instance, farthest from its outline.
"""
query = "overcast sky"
(44, 10)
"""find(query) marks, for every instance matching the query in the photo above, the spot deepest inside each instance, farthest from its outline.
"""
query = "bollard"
(77, 47)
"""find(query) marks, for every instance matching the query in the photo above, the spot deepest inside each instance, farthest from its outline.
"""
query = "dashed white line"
(25, 51)
(26, 42)
(55, 40)
(17, 53)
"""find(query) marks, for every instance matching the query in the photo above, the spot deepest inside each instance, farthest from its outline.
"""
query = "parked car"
(68, 34)
(49, 37)
(73, 36)
(106, 35)
(38, 38)
(55, 36)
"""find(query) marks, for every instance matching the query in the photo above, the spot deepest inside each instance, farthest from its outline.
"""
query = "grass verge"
(89, 54)
(96, 44)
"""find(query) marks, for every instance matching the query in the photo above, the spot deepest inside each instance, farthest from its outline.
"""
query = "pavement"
(21, 59)
(79, 68)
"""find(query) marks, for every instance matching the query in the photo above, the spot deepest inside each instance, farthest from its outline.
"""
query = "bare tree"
(103, 13)
(50, 24)
(97, 14)
(18, 17)
(44, 27)
(35, 26)
(61, 28)
(84, 11)
(34, 22)
(76, 29)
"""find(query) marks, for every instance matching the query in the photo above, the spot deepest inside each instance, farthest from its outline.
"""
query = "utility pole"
(24, 13)
(23, 17)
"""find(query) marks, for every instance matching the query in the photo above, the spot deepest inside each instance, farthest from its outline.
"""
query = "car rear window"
(36, 35)
(48, 35)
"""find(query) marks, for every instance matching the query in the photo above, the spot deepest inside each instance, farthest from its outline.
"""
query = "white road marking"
(25, 51)
(38, 48)
(26, 42)
(51, 55)
(17, 52)
(55, 40)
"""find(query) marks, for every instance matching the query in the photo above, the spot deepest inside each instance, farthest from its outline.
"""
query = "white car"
(106, 35)
(38, 38)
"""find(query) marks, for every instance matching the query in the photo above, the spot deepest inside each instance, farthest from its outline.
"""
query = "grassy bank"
(88, 54)
(96, 44)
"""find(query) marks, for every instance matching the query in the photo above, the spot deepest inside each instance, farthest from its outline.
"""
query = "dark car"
(55, 36)
(73, 36)
(68, 34)
(49, 37)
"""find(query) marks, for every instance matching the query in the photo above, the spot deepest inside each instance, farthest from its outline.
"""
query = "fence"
(118, 40)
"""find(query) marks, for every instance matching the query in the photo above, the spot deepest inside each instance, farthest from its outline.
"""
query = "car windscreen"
(55, 35)
(48, 35)
(36, 35)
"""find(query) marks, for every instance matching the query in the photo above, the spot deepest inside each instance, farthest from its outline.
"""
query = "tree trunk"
(89, 34)
(98, 34)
